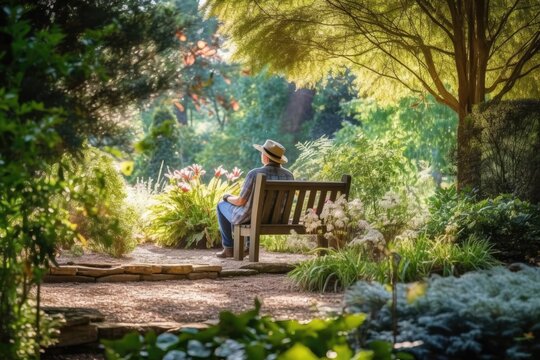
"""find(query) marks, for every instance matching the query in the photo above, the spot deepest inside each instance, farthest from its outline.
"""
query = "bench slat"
(320, 204)
(269, 201)
(299, 206)
(278, 207)
(311, 200)
(288, 206)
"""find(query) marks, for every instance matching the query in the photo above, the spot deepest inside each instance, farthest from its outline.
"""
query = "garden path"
(188, 301)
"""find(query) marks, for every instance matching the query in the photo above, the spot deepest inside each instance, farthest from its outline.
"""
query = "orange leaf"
(235, 105)
(189, 59)
(181, 36)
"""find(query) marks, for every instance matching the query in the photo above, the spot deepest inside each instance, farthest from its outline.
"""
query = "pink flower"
(185, 174)
(237, 172)
(184, 187)
(197, 170)
(234, 175)
(219, 171)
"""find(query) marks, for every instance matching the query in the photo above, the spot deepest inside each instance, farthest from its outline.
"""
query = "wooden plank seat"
(279, 206)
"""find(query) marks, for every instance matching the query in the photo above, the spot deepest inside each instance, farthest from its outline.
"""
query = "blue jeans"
(224, 214)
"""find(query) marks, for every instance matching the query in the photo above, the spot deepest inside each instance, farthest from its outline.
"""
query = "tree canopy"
(461, 52)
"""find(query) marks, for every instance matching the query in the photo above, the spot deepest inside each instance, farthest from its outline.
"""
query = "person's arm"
(242, 199)
(236, 200)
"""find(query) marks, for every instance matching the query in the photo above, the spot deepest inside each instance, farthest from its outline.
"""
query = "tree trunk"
(469, 154)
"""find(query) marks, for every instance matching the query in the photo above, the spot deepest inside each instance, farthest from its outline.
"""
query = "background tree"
(458, 51)
(66, 67)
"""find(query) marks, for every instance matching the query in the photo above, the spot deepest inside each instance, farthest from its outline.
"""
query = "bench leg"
(322, 244)
(254, 248)
(238, 244)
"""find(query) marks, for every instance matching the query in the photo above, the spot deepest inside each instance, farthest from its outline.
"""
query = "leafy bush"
(293, 243)
(510, 145)
(247, 336)
(108, 226)
(377, 167)
(490, 314)
(185, 213)
(420, 257)
(511, 225)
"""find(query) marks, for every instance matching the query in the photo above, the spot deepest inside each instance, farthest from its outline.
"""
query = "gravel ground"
(186, 300)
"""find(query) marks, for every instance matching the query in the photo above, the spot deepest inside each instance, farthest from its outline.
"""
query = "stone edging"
(90, 273)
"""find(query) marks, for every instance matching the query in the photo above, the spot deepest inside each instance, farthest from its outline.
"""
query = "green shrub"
(489, 314)
(420, 257)
(376, 166)
(512, 226)
(185, 213)
(293, 243)
(336, 270)
(509, 142)
(248, 336)
(108, 225)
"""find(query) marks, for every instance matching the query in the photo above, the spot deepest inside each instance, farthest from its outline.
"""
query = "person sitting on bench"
(235, 210)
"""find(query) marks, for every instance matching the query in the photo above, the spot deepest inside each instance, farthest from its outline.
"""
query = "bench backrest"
(285, 202)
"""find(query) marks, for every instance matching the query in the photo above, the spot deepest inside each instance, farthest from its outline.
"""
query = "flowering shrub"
(344, 224)
(185, 213)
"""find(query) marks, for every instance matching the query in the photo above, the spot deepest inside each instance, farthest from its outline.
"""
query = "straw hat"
(274, 150)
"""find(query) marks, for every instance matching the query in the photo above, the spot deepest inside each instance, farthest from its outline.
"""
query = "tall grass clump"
(420, 257)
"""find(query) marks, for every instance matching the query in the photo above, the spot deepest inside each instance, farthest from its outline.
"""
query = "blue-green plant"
(251, 336)
(185, 214)
(489, 314)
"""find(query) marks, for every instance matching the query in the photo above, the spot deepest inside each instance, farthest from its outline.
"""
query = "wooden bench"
(279, 206)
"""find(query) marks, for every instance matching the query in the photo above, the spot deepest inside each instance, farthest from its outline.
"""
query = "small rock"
(206, 268)
(63, 270)
(202, 275)
(161, 277)
(176, 269)
(75, 316)
(68, 278)
(270, 268)
(237, 272)
(119, 278)
(97, 272)
(77, 335)
(142, 269)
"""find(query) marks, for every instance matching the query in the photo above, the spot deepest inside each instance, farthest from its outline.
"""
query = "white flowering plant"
(185, 213)
(342, 223)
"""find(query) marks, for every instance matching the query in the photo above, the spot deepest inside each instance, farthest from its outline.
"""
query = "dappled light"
(230, 179)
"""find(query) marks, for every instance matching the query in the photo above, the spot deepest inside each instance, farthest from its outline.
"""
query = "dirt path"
(190, 301)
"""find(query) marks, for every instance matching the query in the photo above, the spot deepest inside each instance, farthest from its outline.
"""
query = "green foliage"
(489, 314)
(247, 335)
(425, 129)
(394, 47)
(512, 226)
(185, 214)
(330, 96)
(293, 243)
(420, 257)
(509, 141)
(30, 220)
(107, 226)
(376, 166)
(263, 100)
(161, 146)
